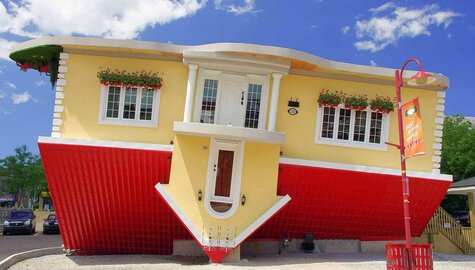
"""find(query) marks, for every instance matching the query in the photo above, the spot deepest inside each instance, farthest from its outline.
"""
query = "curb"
(18, 257)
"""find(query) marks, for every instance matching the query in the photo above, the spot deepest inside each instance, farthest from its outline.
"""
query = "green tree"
(23, 175)
(458, 157)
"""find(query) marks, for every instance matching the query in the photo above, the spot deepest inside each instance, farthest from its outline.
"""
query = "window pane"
(221, 207)
(130, 100)
(146, 104)
(113, 100)
(253, 105)
(360, 126)
(375, 128)
(224, 174)
(208, 106)
(328, 122)
(344, 124)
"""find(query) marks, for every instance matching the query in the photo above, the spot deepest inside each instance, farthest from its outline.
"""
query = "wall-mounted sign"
(292, 111)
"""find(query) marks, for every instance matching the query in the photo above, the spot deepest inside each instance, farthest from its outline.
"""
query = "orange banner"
(412, 124)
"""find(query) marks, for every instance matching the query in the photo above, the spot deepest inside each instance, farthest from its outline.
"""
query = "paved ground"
(297, 261)
(11, 244)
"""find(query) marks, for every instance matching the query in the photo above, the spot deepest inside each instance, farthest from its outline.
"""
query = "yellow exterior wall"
(188, 176)
(300, 129)
(82, 99)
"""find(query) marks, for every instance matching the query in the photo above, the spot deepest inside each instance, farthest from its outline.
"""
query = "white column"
(274, 101)
(190, 91)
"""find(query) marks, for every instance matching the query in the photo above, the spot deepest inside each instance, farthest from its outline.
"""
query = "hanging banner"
(412, 124)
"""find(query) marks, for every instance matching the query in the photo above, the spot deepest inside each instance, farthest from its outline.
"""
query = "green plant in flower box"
(329, 98)
(356, 102)
(382, 104)
(134, 79)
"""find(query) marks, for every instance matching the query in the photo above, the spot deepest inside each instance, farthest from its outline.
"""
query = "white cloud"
(3, 111)
(108, 18)
(372, 63)
(39, 83)
(390, 23)
(10, 85)
(345, 29)
(5, 46)
(23, 97)
(247, 7)
(2, 94)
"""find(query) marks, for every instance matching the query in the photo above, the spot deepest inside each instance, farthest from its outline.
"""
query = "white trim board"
(366, 169)
(233, 242)
(103, 143)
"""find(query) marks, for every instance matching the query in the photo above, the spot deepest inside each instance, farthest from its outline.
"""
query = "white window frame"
(104, 120)
(234, 195)
(350, 143)
(219, 76)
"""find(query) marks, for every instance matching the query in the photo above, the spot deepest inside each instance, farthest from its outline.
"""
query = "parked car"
(51, 224)
(462, 217)
(20, 221)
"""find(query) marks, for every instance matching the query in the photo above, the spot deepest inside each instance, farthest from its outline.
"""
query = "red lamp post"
(420, 78)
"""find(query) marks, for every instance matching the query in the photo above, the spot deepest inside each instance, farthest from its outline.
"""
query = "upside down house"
(153, 144)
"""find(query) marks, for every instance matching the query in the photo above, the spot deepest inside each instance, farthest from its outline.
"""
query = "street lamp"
(420, 78)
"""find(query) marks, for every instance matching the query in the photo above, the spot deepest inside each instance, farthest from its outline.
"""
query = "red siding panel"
(338, 204)
(106, 201)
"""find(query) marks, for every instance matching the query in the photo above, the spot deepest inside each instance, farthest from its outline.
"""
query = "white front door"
(232, 100)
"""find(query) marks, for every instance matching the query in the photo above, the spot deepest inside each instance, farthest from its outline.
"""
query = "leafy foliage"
(23, 174)
(382, 104)
(118, 78)
(458, 157)
(356, 102)
(332, 99)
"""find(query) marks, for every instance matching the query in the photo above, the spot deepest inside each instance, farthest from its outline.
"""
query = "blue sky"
(440, 33)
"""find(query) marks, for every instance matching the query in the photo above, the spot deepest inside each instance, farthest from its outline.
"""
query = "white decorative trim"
(64, 56)
(62, 69)
(61, 75)
(59, 95)
(103, 120)
(365, 169)
(57, 122)
(55, 134)
(440, 114)
(438, 133)
(56, 115)
(274, 101)
(238, 148)
(461, 190)
(58, 109)
(261, 220)
(439, 127)
(436, 166)
(439, 120)
(63, 62)
(61, 82)
(190, 92)
(437, 152)
(232, 242)
(437, 146)
(110, 144)
(441, 100)
(55, 128)
(349, 143)
(436, 159)
(441, 94)
(228, 48)
(59, 88)
(440, 108)
(229, 132)
(437, 171)
(58, 102)
(438, 140)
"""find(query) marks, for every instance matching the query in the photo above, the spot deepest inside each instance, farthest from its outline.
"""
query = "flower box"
(145, 79)
(382, 104)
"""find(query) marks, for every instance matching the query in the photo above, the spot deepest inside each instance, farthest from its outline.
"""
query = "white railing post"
(190, 90)
(274, 101)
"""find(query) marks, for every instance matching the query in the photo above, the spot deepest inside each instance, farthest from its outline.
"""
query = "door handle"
(242, 98)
